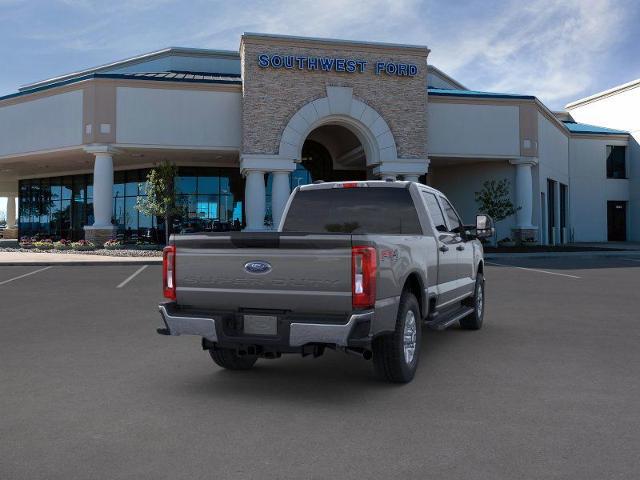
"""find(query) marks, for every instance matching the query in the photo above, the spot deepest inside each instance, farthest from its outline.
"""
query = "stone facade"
(272, 96)
(9, 233)
(99, 236)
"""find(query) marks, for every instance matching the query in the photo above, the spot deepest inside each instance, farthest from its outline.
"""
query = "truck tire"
(396, 355)
(473, 321)
(229, 359)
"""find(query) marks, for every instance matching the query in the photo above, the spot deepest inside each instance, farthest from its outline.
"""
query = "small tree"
(495, 199)
(160, 199)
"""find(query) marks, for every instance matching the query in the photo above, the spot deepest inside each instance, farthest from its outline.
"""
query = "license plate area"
(260, 324)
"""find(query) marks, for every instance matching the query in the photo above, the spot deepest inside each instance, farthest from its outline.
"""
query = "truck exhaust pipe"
(366, 354)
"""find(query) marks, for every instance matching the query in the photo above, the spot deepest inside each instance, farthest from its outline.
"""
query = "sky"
(557, 50)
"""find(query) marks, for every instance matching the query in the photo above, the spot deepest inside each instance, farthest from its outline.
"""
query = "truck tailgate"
(305, 273)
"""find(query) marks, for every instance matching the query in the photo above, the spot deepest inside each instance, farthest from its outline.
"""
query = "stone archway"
(339, 107)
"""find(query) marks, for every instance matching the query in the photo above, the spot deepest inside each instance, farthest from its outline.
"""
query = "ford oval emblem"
(257, 266)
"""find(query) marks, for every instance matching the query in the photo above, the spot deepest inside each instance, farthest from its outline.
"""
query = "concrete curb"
(88, 263)
(617, 253)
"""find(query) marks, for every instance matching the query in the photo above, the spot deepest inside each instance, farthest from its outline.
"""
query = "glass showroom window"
(211, 199)
(54, 207)
(59, 207)
(616, 162)
(131, 224)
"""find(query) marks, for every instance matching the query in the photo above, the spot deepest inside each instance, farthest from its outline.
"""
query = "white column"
(254, 197)
(253, 166)
(411, 178)
(103, 190)
(524, 193)
(279, 195)
(11, 212)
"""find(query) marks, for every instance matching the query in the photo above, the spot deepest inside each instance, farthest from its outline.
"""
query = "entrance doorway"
(330, 153)
(333, 153)
(617, 221)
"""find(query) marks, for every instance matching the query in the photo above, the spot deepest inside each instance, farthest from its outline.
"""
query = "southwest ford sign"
(334, 64)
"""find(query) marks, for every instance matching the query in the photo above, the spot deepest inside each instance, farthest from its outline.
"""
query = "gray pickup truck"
(354, 266)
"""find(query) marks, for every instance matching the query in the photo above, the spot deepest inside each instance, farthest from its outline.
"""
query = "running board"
(441, 324)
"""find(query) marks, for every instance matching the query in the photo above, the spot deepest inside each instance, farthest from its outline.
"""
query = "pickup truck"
(355, 266)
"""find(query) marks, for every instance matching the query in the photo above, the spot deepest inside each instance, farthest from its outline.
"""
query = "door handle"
(460, 248)
(444, 248)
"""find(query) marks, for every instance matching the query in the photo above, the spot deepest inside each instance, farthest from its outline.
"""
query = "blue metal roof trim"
(585, 128)
(444, 92)
(226, 80)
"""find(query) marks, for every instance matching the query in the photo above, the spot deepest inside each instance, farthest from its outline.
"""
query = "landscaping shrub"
(43, 244)
(62, 245)
(83, 245)
(113, 245)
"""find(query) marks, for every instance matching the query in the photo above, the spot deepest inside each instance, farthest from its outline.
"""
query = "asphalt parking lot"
(549, 388)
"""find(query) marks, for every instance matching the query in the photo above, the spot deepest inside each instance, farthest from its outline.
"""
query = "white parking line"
(533, 270)
(25, 275)
(131, 277)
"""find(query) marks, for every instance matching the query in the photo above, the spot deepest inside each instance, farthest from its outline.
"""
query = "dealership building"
(246, 127)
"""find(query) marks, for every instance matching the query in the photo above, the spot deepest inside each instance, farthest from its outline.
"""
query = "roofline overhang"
(600, 136)
(196, 52)
(115, 76)
(605, 93)
(542, 108)
(467, 94)
(316, 41)
(449, 78)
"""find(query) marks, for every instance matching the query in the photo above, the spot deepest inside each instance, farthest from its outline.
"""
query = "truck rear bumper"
(182, 325)
(292, 332)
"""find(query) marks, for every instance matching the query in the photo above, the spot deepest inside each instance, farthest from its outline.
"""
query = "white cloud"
(542, 47)
(546, 48)
(349, 19)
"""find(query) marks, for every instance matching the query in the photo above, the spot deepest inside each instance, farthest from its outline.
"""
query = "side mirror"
(484, 226)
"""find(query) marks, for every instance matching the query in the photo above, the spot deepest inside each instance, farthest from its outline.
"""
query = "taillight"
(363, 282)
(169, 272)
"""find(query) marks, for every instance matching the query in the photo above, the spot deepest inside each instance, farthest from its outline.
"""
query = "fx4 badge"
(389, 255)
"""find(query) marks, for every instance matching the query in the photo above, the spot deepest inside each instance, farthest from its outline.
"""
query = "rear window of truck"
(353, 210)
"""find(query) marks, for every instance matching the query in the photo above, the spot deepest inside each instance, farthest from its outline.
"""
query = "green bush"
(147, 246)
(83, 245)
(113, 245)
(62, 245)
(43, 244)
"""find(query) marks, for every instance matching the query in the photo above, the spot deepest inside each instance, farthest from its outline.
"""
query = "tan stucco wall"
(272, 96)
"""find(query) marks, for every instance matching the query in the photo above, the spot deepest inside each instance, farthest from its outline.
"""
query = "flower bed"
(26, 242)
(99, 252)
(112, 248)
(83, 245)
(113, 245)
(62, 245)
(43, 244)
